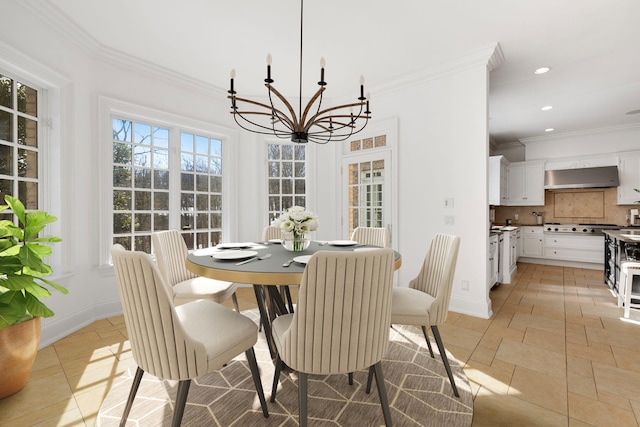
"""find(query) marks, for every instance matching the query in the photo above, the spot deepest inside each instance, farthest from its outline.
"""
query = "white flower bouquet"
(296, 222)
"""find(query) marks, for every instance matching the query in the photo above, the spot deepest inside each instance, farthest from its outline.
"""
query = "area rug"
(417, 386)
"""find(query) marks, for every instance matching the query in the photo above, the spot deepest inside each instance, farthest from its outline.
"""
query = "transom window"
(19, 144)
(286, 174)
(145, 199)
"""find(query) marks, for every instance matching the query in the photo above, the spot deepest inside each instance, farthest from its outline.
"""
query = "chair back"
(341, 323)
(158, 341)
(436, 275)
(376, 236)
(271, 232)
(171, 255)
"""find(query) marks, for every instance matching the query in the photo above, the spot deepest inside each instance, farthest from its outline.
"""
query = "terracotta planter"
(18, 350)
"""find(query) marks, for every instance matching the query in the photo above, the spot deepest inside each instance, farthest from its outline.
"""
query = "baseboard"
(61, 325)
(562, 263)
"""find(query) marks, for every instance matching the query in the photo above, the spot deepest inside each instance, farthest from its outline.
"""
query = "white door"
(366, 184)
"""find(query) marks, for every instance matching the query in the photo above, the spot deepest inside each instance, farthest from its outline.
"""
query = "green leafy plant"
(22, 270)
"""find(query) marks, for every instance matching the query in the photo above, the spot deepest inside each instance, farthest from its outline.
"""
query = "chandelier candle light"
(314, 124)
(294, 223)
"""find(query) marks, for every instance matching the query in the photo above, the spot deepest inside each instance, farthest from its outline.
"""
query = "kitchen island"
(620, 247)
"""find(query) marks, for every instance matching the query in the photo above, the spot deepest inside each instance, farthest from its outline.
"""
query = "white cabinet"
(519, 242)
(582, 248)
(493, 260)
(629, 174)
(525, 184)
(498, 180)
(532, 241)
(508, 255)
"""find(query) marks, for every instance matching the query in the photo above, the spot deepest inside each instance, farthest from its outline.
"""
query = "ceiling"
(591, 46)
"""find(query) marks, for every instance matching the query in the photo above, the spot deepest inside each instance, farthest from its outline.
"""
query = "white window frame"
(109, 108)
(52, 197)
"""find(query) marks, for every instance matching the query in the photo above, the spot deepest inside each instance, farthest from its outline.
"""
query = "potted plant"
(22, 286)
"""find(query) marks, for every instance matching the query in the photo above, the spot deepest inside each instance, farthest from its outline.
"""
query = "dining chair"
(425, 302)
(271, 232)
(376, 236)
(171, 254)
(341, 323)
(177, 342)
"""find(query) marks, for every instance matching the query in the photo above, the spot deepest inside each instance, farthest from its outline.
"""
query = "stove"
(588, 229)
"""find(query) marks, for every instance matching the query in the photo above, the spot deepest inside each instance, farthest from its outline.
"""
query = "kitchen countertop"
(625, 234)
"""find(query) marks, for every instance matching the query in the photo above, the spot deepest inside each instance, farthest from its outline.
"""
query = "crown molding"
(534, 139)
(11, 58)
(491, 56)
(57, 20)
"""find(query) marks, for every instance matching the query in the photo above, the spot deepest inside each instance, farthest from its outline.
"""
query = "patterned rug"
(417, 386)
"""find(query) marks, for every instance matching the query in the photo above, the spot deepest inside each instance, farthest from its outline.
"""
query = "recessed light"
(547, 107)
(549, 129)
(633, 112)
(542, 70)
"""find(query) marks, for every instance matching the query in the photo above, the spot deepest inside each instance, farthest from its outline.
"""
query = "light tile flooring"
(555, 353)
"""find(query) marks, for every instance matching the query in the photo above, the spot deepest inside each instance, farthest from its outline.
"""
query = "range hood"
(605, 176)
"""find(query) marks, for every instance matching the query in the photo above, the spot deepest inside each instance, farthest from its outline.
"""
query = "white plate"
(205, 251)
(235, 245)
(303, 259)
(234, 254)
(275, 240)
(342, 243)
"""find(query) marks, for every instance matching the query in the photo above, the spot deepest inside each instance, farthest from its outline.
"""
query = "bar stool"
(631, 272)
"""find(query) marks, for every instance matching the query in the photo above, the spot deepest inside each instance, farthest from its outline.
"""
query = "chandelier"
(315, 124)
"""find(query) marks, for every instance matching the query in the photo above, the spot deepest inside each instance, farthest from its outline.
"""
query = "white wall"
(443, 149)
(587, 143)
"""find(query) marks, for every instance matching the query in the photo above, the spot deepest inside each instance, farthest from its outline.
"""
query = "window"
(145, 199)
(20, 151)
(286, 174)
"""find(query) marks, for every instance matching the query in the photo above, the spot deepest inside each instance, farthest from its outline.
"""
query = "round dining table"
(268, 276)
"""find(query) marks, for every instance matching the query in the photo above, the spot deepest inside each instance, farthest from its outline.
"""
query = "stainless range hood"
(605, 176)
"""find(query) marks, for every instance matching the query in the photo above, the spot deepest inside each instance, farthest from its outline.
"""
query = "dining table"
(270, 270)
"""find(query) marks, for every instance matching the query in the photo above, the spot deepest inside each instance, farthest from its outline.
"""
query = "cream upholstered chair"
(341, 323)
(177, 342)
(271, 232)
(425, 302)
(376, 236)
(171, 254)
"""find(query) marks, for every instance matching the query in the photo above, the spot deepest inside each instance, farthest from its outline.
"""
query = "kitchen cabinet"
(519, 242)
(532, 241)
(525, 183)
(498, 180)
(629, 174)
(493, 260)
(574, 247)
(508, 255)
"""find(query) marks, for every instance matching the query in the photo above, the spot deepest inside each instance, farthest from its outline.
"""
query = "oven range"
(590, 229)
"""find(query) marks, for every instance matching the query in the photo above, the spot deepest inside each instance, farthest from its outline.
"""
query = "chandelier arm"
(294, 118)
(320, 117)
(271, 109)
(271, 129)
(303, 119)
(268, 131)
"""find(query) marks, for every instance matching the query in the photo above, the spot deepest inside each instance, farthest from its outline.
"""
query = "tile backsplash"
(581, 206)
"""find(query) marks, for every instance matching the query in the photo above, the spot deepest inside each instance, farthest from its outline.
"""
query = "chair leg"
(255, 373)
(302, 399)
(234, 298)
(350, 378)
(369, 380)
(382, 392)
(426, 337)
(276, 377)
(181, 401)
(445, 359)
(132, 395)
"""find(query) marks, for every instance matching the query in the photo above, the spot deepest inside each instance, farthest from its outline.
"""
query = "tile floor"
(555, 353)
